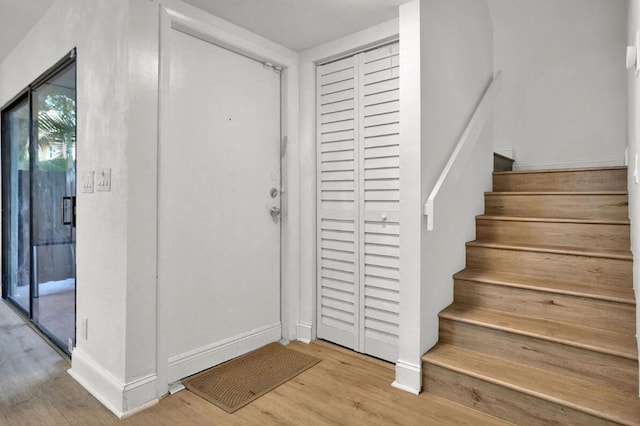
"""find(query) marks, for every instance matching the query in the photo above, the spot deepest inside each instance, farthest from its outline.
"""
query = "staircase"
(542, 327)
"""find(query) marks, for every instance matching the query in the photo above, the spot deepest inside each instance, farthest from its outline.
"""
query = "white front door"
(218, 199)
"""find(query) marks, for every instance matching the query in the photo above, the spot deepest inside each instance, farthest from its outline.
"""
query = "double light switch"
(99, 180)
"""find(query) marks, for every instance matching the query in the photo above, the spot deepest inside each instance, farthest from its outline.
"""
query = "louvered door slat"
(383, 250)
(336, 146)
(379, 293)
(344, 105)
(340, 115)
(382, 108)
(346, 135)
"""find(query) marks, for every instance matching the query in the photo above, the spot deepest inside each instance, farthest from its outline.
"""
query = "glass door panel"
(16, 201)
(53, 192)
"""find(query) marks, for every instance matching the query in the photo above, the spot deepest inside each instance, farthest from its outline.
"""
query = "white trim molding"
(123, 399)
(408, 377)
(305, 332)
(188, 363)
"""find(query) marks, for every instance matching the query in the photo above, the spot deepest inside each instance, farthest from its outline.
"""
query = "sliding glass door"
(39, 189)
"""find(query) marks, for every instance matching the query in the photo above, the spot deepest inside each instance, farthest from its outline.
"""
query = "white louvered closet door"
(358, 202)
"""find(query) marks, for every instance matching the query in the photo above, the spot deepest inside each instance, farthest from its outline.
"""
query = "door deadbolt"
(273, 192)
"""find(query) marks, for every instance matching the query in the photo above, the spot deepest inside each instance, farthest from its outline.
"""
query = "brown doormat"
(236, 383)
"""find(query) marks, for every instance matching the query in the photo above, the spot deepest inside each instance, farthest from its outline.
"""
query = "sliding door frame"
(22, 96)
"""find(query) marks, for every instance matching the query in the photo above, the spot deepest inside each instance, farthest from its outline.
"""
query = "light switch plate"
(87, 182)
(103, 180)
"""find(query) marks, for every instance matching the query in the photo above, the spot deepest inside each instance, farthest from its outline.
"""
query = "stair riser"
(603, 236)
(584, 364)
(606, 315)
(587, 180)
(567, 267)
(500, 401)
(557, 206)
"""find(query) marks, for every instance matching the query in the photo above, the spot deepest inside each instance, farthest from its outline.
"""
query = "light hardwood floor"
(345, 388)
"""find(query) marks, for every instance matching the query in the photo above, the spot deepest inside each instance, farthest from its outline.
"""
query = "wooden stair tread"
(556, 193)
(597, 340)
(578, 169)
(577, 394)
(554, 220)
(542, 248)
(601, 292)
(546, 300)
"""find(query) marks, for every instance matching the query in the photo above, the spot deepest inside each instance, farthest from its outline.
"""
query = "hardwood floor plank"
(520, 408)
(556, 249)
(603, 341)
(576, 394)
(570, 205)
(598, 313)
(593, 179)
(550, 265)
(551, 285)
(607, 370)
(611, 235)
(344, 389)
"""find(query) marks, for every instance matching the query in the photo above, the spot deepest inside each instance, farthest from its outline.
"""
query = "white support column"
(408, 367)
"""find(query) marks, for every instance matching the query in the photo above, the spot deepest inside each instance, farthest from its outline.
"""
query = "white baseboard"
(304, 332)
(408, 377)
(568, 164)
(507, 151)
(188, 363)
(123, 399)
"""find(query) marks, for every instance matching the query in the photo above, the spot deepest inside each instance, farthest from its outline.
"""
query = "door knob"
(275, 212)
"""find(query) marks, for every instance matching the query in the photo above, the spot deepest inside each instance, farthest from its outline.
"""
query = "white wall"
(100, 30)
(117, 80)
(446, 66)
(456, 61)
(563, 100)
(634, 150)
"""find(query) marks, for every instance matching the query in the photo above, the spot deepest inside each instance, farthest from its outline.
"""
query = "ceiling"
(296, 24)
(301, 24)
(17, 17)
